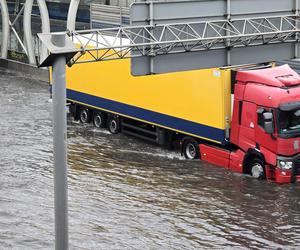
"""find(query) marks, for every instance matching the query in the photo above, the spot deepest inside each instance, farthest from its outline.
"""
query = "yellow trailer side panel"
(200, 96)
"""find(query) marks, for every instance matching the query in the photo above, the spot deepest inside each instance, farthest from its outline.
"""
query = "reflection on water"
(125, 193)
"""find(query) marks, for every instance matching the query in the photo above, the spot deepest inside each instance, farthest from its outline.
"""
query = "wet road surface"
(125, 193)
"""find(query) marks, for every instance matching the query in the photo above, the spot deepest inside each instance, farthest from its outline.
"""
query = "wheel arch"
(250, 155)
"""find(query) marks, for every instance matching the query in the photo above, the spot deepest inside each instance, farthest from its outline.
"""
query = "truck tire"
(190, 148)
(113, 124)
(257, 169)
(84, 115)
(99, 119)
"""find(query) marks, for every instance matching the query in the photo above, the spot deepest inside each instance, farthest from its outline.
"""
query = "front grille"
(297, 167)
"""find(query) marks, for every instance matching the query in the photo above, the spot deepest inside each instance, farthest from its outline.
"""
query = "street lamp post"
(60, 146)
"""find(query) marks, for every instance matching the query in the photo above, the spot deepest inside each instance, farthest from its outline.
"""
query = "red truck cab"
(265, 127)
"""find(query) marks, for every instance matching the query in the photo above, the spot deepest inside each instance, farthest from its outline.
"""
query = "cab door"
(263, 139)
(247, 128)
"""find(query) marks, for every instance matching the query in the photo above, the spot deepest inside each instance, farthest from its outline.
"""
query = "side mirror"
(268, 122)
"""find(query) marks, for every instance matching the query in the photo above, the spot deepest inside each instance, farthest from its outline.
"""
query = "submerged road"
(125, 193)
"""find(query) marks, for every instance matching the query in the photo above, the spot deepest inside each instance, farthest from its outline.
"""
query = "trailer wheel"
(99, 119)
(190, 148)
(84, 115)
(113, 125)
(257, 169)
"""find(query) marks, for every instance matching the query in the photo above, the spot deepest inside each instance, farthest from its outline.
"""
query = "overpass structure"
(208, 37)
(25, 12)
(259, 34)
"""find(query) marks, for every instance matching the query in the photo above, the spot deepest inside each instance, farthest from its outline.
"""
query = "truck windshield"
(289, 122)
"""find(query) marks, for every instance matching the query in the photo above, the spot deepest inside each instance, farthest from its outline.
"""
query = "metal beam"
(5, 28)
(71, 21)
(27, 28)
(12, 26)
(207, 36)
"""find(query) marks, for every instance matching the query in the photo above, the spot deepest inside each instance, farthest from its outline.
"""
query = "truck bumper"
(282, 177)
(288, 176)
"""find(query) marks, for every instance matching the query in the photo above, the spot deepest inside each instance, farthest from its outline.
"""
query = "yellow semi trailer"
(194, 103)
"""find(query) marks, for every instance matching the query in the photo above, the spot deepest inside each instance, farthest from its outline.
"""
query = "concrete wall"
(29, 70)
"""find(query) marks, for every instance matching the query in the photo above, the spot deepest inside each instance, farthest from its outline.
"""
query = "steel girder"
(186, 37)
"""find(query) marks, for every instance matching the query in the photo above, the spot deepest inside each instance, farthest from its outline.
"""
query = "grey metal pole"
(228, 53)
(60, 147)
(297, 36)
(151, 22)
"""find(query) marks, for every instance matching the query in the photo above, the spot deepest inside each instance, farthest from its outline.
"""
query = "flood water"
(125, 193)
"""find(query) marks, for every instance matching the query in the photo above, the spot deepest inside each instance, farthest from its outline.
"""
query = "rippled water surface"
(125, 193)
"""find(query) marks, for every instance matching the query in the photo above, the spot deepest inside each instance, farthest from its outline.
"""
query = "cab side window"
(265, 120)
(260, 117)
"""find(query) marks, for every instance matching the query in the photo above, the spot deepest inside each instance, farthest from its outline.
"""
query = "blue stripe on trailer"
(159, 119)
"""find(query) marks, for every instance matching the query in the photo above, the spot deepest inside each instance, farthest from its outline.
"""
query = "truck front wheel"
(190, 149)
(257, 169)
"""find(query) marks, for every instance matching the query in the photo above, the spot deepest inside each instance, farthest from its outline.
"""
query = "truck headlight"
(285, 165)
